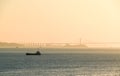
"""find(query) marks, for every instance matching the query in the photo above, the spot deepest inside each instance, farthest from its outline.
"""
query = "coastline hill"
(6, 44)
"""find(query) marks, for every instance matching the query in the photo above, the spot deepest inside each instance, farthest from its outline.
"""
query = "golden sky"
(59, 20)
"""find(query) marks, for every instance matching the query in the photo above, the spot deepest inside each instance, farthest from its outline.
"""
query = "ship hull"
(32, 54)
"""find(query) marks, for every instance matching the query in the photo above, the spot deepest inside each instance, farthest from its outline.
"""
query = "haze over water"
(59, 21)
(97, 22)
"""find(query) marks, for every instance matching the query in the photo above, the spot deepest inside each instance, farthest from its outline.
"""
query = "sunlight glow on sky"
(60, 20)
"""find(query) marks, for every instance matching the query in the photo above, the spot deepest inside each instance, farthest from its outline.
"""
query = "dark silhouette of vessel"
(37, 53)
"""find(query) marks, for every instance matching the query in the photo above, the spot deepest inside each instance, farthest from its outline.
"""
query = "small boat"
(37, 53)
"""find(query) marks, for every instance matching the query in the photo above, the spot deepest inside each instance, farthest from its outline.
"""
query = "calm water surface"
(14, 62)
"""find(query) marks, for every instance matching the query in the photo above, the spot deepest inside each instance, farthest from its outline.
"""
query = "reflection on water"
(59, 64)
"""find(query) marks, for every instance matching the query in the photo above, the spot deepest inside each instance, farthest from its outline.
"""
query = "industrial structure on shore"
(45, 45)
(60, 45)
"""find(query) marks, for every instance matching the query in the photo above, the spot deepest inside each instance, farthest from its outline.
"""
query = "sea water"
(59, 62)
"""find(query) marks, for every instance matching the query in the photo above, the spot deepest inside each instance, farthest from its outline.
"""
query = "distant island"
(7, 45)
(77, 45)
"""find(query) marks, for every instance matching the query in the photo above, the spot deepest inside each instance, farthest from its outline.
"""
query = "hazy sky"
(59, 20)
